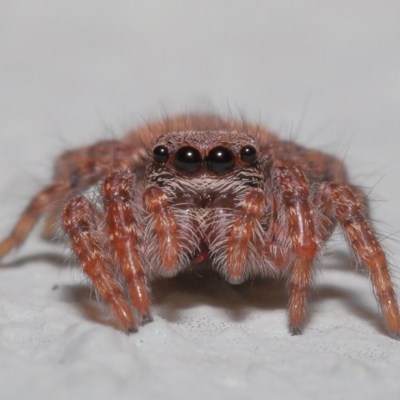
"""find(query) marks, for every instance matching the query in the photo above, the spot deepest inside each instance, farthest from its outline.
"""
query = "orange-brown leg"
(79, 221)
(295, 217)
(50, 224)
(341, 202)
(44, 201)
(122, 227)
(75, 171)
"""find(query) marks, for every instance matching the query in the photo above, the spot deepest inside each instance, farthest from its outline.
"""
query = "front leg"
(297, 236)
(80, 222)
(109, 254)
(122, 226)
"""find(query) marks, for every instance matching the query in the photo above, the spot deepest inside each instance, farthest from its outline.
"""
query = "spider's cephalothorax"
(205, 177)
(196, 188)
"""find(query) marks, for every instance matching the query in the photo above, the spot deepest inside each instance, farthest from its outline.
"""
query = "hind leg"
(75, 172)
(341, 203)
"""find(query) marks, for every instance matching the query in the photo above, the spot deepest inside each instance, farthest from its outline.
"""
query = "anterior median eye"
(220, 160)
(160, 154)
(248, 154)
(188, 160)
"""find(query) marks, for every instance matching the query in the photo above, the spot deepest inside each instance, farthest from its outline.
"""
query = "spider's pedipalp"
(170, 234)
(242, 231)
(166, 229)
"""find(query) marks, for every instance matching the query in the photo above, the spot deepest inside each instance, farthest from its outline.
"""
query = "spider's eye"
(160, 154)
(220, 160)
(188, 160)
(248, 154)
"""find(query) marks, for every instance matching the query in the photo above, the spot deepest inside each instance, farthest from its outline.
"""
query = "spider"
(197, 188)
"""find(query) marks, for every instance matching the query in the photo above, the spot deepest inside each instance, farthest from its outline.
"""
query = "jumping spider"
(227, 191)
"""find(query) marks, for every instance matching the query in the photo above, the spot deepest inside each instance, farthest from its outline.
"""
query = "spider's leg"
(341, 202)
(44, 201)
(295, 218)
(50, 224)
(75, 172)
(82, 168)
(123, 230)
(88, 244)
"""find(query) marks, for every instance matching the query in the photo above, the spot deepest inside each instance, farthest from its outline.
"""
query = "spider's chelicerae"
(198, 187)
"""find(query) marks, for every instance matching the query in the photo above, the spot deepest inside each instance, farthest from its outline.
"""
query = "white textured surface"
(326, 73)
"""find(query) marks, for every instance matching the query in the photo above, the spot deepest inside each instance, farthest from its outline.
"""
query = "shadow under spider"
(55, 259)
(200, 286)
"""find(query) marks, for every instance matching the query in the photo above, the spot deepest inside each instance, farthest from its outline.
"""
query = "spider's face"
(205, 164)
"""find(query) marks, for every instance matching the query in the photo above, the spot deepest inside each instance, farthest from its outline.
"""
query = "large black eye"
(160, 154)
(248, 154)
(220, 160)
(188, 160)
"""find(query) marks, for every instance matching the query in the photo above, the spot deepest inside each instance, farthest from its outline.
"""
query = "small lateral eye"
(160, 154)
(248, 154)
(188, 160)
(220, 160)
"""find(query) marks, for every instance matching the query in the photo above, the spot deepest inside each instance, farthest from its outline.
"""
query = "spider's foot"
(395, 335)
(146, 318)
(132, 329)
(296, 330)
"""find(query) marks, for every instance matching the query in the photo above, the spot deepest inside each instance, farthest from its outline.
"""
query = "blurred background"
(324, 73)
